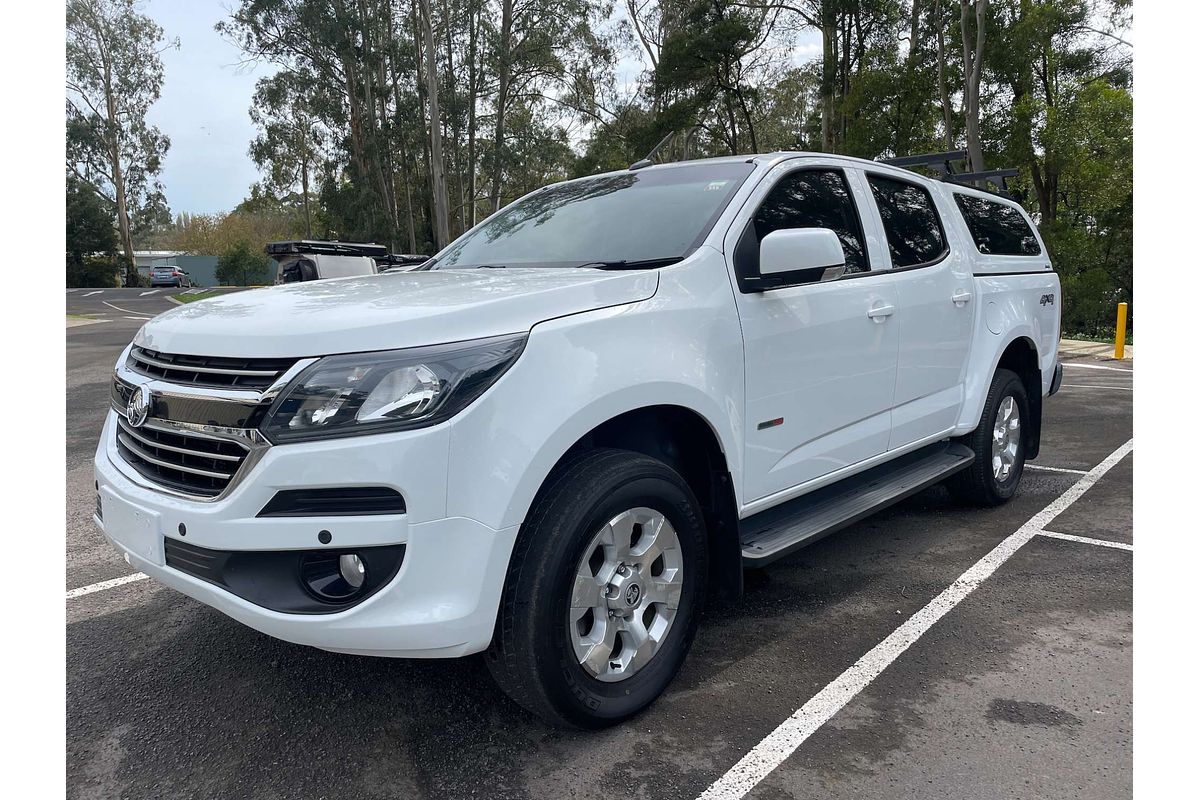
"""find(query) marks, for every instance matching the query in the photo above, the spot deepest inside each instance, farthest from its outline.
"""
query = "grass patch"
(191, 298)
(1107, 338)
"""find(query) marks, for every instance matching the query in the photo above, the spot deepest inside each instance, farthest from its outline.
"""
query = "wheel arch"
(1020, 355)
(689, 443)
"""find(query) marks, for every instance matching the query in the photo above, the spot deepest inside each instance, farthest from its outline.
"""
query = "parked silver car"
(170, 276)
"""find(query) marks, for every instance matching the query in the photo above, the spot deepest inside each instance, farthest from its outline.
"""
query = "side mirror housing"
(791, 256)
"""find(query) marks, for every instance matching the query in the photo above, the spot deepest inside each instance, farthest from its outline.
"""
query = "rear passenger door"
(935, 312)
(820, 357)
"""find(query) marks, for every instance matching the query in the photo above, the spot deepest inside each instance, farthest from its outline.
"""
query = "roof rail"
(943, 165)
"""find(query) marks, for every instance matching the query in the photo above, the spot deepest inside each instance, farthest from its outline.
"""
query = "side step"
(781, 530)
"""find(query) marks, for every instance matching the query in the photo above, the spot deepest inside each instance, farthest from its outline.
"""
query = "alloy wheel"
(626, 594)
(1006, 438)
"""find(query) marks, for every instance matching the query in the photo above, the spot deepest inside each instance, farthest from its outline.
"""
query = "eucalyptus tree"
(290, 136)
(114, 75)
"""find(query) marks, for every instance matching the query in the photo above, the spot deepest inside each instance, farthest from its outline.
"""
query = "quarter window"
(910, 221)
(997, 228)
(810, 199)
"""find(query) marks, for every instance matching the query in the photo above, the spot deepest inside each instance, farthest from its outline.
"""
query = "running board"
(781, 530)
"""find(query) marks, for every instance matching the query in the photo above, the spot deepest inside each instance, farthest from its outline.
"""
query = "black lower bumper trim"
(273, 578)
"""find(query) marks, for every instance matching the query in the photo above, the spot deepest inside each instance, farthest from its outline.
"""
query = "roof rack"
(943, 165)
(327, 248)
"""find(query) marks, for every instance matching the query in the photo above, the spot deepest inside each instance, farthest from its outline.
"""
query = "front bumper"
(441, 603)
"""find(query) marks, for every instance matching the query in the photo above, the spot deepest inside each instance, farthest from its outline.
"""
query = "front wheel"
(601, 599)
(998, 443)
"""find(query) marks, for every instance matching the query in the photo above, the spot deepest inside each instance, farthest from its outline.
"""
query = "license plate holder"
(133, 527)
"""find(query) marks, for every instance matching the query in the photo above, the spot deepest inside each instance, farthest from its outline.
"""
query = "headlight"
(365, 393)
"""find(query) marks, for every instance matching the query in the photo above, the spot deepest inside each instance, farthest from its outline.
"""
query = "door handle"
(961, 297)
(881, 312)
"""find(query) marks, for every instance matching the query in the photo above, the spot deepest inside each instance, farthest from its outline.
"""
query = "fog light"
(332, 577)
(352, 569)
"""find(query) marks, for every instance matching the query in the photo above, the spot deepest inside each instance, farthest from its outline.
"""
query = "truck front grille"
(186, 461)
(230, 373)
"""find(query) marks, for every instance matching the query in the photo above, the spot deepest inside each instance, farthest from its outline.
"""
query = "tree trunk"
(472, 77)
(505, 68)
(829, 62)
(118, 175)
(943, 90)
(452, 111)
(910, 101)
(437, 172)
(972, 72)
(304, 189)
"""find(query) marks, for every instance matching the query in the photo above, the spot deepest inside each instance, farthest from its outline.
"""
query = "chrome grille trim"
(208, 371)
(165, 388)
(128, 431)
(198, 461)
(140, 358)
(194, 464)
(129, 444)
(125, 457)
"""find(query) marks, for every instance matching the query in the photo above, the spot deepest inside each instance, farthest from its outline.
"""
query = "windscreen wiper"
(644, 263)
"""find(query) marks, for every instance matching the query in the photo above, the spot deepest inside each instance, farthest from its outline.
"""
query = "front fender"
(577, 373)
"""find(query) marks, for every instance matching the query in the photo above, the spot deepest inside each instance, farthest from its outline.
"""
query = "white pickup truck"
(583, 417)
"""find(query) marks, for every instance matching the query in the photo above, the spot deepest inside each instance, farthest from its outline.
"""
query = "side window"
(910, 220)
(808, 199)
(998, 229)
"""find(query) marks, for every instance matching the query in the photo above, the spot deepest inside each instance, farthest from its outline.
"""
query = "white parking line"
(1095, 386)
(102, 585)
(1096, 366)
(152, 291)
(72, 291)
(1087, 540)
(126, 310)
(1056, 469)
(89, 294)
(784, 740)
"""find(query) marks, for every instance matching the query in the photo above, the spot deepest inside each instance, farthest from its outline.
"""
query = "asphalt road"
(129, 305)
(1023, 689)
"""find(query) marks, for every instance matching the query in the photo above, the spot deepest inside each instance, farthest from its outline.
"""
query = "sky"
(204, 109)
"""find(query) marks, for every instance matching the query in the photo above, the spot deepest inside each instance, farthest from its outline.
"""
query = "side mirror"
(804, 255)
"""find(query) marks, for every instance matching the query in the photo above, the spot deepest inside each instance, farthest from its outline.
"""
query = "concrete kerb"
(1073, 348)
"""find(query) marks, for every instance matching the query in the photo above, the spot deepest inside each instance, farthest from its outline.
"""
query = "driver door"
(820, 358)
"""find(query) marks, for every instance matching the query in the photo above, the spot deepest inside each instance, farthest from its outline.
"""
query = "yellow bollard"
(1122, 313)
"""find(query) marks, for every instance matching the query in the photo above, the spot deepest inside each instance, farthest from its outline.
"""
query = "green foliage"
(114, 76)
(1061, 111)
(91, 227)
(92, 273)
(242, 265)
(530, 93)
(91, 239)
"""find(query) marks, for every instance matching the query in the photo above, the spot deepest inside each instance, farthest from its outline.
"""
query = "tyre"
(601, 600)
(998, 443)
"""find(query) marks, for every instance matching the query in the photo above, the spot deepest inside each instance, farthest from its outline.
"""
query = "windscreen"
(626, 218)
